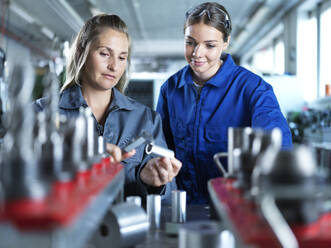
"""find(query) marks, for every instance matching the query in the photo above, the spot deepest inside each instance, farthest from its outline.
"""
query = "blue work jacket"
(126, 119)
(195, 126)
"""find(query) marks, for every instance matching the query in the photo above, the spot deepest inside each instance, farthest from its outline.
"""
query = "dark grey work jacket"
(126, 119)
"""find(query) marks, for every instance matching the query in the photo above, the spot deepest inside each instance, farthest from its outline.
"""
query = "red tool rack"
(68, 215)
(249, 226)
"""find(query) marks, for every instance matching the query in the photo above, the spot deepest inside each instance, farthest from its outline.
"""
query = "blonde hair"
(80, 48)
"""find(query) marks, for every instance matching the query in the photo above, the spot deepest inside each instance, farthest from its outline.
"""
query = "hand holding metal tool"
(147, 139)
(144, 138)
(158, 150)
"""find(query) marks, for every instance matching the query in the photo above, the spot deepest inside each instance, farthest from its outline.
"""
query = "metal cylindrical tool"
(154, 211)
(79, 152)
(21, 171)
(101, 146)
(200, 234)
(134, 199)
(178, 206)
(158, 150)
(125, 225)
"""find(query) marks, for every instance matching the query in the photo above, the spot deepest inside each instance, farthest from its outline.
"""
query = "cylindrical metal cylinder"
(160, 151)
(125, 225)
(201, 234)
(134, 199)
(154, 211)
(178, 206)
(90, 129)
(101, 145)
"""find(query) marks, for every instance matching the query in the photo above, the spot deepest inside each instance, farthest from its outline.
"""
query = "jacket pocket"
(216, 134)
(215, 140)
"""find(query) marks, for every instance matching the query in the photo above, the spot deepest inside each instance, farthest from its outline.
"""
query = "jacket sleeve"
(266, 113)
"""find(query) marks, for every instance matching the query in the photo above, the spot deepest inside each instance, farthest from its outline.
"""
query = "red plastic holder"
(65, 201)
(252, 229)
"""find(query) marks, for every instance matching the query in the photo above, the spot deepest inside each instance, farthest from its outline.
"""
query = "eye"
(210, 46)
(189, 43)
(123, 58)
(104, 54)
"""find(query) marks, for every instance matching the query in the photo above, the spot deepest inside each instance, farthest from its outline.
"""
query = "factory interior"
(61, 184)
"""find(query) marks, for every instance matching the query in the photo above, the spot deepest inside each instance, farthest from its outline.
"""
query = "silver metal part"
(250, 141)
(125, 225)
(49, 138)
(144, 138)
(91, 137)
(136, 199)
(21, 171)
(154, 211)
(90, 133)
(79, 148)
(69, 146)
(280, 169)
(158, 150)
(178, 206)
(74, 235)
(201, 234)
(236, 138)
(277, 222)
(101, 146)
(139, 141)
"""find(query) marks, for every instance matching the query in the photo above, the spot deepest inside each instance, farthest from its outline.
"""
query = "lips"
(108, 76)
(198, 63)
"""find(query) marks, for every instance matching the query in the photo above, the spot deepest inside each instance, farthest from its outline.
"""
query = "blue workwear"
(125, 120)
(195, 125)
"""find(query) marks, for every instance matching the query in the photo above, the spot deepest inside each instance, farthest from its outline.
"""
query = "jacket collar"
(218, 80)
(72, 98)
(122, 101)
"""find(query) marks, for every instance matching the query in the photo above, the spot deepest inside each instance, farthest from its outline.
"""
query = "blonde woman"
(96, 78)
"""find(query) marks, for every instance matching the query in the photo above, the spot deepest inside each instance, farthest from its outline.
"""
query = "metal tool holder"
(55, 182)
(69, 216)
(257, 221)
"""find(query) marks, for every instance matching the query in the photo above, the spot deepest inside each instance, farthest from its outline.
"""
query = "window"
(279, 57)
(263, 60)
(271, 59)
(325, 51)
(307, 56)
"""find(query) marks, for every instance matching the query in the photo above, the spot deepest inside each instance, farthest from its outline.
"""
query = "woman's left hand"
(160, 171)
(116, 154)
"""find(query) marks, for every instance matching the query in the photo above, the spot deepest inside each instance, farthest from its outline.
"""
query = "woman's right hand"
(116, 154)
(160, 171)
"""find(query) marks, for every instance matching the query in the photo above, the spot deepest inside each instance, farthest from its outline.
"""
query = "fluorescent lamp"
(22, 13)
(47, 32)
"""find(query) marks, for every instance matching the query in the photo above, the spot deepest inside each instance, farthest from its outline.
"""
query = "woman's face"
(203, 48)
(107, 60)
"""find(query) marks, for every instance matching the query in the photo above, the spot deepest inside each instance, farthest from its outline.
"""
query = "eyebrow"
(206, 41)
(110, 50)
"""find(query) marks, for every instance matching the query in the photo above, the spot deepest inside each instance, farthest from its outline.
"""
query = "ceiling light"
(48, 33)
(22, 13)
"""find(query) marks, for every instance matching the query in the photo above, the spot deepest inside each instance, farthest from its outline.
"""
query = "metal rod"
(178, 206)
(277, 222)
(154, 211)
(158, 150)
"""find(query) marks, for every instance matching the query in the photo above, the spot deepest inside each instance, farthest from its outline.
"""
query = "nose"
(197, 52)
(112, 64)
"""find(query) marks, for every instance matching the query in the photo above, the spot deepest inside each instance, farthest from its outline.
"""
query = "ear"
(226, 44)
